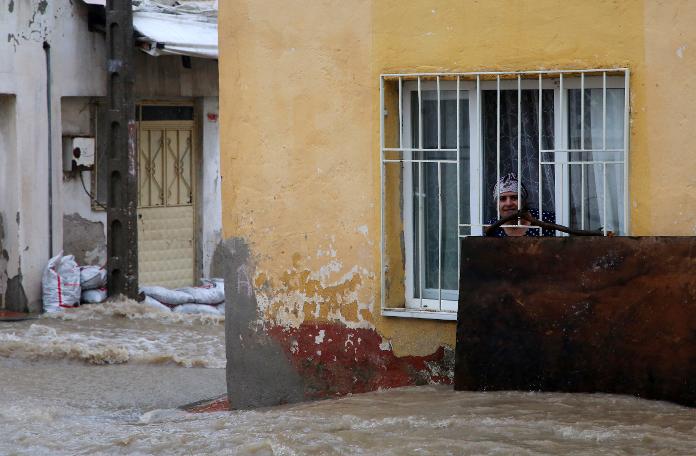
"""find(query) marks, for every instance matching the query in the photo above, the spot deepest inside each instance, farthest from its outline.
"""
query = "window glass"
(529, 154)
(434, 192)
(162, 113)
(587, 181)
(570, 160)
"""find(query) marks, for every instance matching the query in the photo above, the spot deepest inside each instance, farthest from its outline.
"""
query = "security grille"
(166, 169)
(446, 138)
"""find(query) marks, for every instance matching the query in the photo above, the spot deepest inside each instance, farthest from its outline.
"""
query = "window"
(447, 138)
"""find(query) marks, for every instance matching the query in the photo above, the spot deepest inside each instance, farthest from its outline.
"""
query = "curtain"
(529, 153)
(439, 190)
(587, 192)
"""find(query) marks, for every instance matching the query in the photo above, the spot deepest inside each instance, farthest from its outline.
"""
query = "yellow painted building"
(304, 133)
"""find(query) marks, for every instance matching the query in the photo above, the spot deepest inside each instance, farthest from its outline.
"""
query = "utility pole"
(121, 131)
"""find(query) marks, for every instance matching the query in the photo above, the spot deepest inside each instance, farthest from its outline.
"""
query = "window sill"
(423, 314)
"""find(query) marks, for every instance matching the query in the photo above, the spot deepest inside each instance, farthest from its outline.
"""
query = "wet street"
(108, 380)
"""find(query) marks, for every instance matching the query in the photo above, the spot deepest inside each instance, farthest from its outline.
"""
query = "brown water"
(57, 400)
(118, 332)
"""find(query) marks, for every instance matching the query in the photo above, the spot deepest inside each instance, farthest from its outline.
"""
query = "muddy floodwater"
(108, 379)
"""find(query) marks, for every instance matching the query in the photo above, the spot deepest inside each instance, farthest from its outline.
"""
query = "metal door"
(165, 203)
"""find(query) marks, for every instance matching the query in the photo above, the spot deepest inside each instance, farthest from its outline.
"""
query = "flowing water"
(106, 379)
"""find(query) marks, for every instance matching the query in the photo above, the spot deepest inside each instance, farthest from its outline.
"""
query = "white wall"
(76, 70)
(211, 200)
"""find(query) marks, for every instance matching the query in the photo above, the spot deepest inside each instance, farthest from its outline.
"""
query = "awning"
(175, 27)
(176, 34)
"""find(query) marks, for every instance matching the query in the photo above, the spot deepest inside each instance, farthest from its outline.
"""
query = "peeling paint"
(85, 239)
(355, 361)
(37, 28)
(258, 372)
(326, 291)
(10, 7)
(327, 357)
(680, 51)
(15, 297)
(385, 345)
(300, 295)
(11, 38)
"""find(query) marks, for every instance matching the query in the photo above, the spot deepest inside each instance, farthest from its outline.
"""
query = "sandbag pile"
(65, 284)
(93, 283)
(209, 298)
(61, 283)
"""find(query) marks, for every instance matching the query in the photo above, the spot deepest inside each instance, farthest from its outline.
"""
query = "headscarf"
(509, 183)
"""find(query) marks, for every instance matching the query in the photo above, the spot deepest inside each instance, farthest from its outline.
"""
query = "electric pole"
(121, 146)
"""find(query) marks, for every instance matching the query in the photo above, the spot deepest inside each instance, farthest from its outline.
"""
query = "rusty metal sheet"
(579, 314)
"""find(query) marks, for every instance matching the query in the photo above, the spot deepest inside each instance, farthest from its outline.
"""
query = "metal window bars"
(406, 157)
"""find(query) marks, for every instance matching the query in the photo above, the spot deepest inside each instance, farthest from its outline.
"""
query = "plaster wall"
(662, 165)
(84, 229)
(300, 188)
(295, 115)
(300, 129)
(210, 199)
(30, 27)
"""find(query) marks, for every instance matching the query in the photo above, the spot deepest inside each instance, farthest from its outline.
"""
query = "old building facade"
(336, 216)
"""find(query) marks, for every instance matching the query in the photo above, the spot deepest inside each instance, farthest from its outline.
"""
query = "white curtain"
(440, 241)
(587, 192)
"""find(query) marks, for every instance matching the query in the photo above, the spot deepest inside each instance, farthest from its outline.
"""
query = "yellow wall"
(663, 181)
(299, 114)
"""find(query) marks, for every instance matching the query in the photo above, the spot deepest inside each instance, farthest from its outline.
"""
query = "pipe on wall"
(47, 51)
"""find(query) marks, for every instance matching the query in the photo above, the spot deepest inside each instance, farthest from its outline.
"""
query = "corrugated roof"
(200, 10)
(179, 27)
(173, 34)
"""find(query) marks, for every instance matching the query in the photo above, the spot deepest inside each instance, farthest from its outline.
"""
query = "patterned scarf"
(509, 183)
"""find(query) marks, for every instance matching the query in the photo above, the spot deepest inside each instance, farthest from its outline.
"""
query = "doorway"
(166, 194)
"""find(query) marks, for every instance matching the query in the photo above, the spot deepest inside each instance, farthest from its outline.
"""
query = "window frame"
(409, 87)
(470, 86)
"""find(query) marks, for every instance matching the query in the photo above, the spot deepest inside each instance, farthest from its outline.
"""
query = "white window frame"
(466, 91)
(470, 86)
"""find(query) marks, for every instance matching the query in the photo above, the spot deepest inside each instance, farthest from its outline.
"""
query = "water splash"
(116, 332)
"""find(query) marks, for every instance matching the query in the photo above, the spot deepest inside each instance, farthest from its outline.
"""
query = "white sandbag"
(167, 296)
(92, 277)
(212, 292)
(61, 283)
(196, 309)
(155, 304)
(221, 308)
(94, 296)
